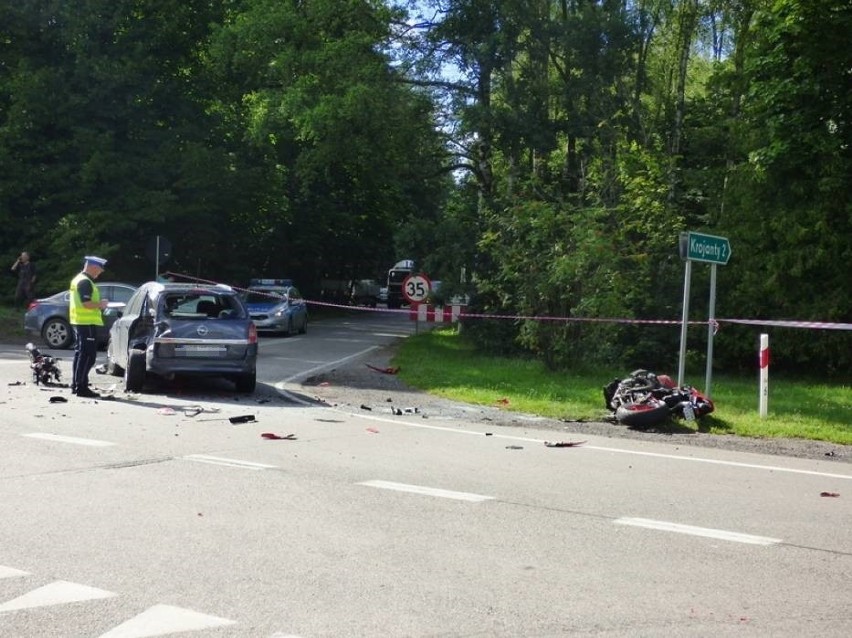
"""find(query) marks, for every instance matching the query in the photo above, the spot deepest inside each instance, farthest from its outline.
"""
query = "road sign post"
(416, 289)
(713, 250)
(710, 249)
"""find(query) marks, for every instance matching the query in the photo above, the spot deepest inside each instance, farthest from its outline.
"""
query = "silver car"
(172, 329)
(277, 309)
(48, 317)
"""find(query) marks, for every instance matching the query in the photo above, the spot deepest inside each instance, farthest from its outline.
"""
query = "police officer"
(85, 315)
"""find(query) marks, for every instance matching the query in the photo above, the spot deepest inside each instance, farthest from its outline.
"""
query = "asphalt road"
(153, 515)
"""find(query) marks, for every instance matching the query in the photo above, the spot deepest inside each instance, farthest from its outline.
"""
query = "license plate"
(199, 351)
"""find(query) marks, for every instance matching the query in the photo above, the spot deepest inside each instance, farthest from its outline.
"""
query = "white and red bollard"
(764, 374)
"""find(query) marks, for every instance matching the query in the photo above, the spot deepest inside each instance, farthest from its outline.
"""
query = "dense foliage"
(543, 155)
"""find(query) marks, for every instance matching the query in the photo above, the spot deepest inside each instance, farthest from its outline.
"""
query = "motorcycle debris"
(401, 411)
(563, 443)
(277, 437)
(244, 418)
(830, 494)
(58, 400)
(514, 447)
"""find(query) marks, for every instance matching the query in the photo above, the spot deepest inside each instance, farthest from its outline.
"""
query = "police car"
(276, 306)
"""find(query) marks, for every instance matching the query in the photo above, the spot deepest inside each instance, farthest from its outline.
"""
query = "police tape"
(818, 325)
(438, 311)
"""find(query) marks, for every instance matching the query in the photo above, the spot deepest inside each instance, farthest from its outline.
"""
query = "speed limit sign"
(416, 288)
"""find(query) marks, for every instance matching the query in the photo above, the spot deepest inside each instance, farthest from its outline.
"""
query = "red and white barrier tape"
(461, 314)
(819, 325)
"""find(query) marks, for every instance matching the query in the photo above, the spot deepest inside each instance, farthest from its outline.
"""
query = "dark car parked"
(170, 329)
(48, 317)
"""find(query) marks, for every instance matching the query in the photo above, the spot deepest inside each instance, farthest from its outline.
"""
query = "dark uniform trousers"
(85, 355)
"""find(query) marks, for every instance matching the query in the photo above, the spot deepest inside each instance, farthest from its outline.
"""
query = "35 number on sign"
(416, 288)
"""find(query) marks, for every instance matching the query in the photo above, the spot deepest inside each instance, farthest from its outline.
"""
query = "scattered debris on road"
(563, 443)
(401, 411)
(388, 370)
(277, 437)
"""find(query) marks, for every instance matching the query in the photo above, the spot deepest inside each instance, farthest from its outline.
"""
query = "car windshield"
(200, 305)
(265, 296)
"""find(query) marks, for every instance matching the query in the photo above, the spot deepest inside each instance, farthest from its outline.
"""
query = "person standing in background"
(26, 271)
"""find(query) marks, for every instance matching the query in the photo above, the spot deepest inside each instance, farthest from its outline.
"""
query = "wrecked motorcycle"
(644, 399)
(45, 370)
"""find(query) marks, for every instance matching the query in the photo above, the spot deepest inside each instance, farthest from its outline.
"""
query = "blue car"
(175, 329)
(276, 307)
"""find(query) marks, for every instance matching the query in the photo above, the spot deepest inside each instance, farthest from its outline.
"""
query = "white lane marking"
(59, 592)
(218, 460)
(330, 364)
(707, 532)
(8, 572)
(600, 448)
(427, 491)
(306, 373)
(753, 466)
(160, 620)
(68, 439)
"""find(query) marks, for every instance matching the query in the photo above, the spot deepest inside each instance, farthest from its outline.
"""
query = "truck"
(356, 292)
(396, 275)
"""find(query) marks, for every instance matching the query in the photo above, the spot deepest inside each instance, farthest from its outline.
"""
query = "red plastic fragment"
(383, 370)
(278, 437)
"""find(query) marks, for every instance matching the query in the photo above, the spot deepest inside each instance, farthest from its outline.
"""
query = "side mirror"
(114, 309)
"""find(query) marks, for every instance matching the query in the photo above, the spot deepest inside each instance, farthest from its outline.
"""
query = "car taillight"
(252, 336)
(32, 306)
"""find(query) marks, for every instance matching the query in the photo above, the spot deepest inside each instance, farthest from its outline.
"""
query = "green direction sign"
(708, 248)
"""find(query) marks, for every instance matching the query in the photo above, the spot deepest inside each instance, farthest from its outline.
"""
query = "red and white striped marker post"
(764, 374)
(434, 314)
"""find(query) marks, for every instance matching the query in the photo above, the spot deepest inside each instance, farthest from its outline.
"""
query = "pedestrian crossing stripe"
(59, 592)
(160, 620)
(8, 572)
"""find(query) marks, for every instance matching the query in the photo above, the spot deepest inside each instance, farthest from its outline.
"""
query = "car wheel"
(57, 333)
(112, 367)
(304, 327)
(246, 382)
(134, 376)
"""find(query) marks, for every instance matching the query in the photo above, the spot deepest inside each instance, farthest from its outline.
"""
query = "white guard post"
(764, 375)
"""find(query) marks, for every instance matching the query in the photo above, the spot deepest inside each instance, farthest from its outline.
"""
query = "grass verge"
(12, 324)
(443, 363)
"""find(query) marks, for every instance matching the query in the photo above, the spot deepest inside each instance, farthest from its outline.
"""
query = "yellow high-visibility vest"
(80, 315)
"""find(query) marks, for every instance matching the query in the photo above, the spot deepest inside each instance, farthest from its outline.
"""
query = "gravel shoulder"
(359, 386)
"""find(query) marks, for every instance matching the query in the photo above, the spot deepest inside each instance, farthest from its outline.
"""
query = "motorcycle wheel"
(642, 414)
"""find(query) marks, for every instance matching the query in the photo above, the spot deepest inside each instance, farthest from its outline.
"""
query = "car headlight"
(279, 311)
